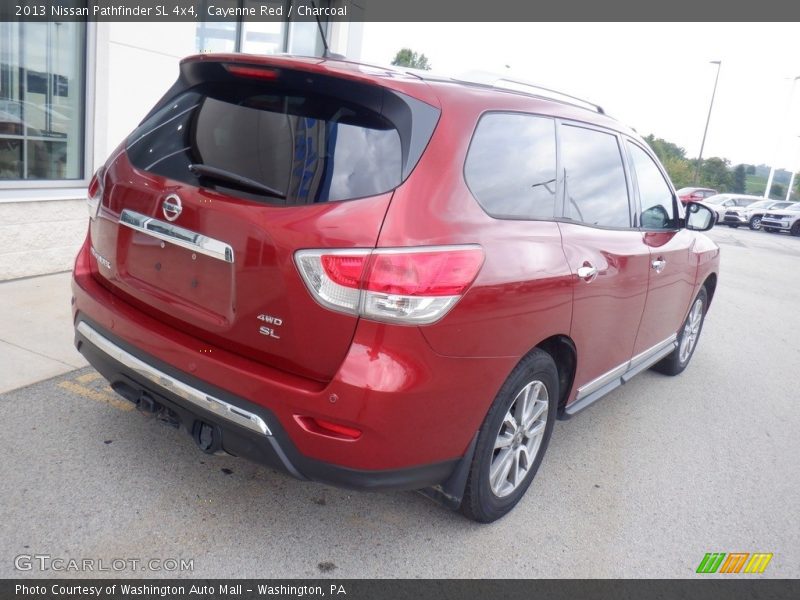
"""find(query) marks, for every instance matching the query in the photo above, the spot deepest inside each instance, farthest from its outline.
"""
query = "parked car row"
(736, 210)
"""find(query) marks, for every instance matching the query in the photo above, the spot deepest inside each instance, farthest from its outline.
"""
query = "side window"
(595, 188)
(511, 166)
(658, 211)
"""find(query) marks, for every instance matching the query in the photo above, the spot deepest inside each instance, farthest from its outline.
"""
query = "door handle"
(658, 264)
(587, 272)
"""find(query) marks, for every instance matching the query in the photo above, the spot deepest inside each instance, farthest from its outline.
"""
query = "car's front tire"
(513, 439)
(755, 223)
(676, 361)
(795, 230)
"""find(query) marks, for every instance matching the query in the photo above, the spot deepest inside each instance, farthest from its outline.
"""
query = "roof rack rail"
(527, 84)
(502, 82)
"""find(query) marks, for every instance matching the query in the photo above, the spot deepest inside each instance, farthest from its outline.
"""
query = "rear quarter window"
(511, 166)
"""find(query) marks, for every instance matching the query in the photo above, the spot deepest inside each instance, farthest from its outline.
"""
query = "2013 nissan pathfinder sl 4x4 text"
(373, 279)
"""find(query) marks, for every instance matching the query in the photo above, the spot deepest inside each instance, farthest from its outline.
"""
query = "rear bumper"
(418, 411)
(245, 429)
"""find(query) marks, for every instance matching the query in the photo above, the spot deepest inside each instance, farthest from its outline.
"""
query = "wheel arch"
(564, 353)
(710, 284)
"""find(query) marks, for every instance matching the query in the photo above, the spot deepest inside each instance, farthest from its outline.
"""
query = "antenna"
(326, 53)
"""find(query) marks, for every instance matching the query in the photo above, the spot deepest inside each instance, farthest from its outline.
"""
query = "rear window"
(297, 147)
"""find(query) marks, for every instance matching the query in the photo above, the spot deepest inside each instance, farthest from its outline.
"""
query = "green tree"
(751, 169)
(679, 171)
(715, 173)
(406, 57)
(739, 179)
(665, 149)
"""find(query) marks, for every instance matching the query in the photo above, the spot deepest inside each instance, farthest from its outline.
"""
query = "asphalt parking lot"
(642, 484)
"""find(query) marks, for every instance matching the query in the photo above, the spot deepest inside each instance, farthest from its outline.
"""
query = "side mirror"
(699, 217)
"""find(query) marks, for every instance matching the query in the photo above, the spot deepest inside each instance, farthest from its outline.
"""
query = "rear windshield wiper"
(229, 177)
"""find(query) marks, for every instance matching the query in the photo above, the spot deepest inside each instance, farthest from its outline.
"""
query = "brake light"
(252, 71)
(402, 285)
(94, 195)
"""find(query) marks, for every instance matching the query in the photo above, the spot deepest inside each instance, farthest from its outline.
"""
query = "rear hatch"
(238, 167)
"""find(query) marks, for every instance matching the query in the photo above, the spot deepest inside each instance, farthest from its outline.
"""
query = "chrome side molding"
(179, 236)
(602, 385)
(223, 409)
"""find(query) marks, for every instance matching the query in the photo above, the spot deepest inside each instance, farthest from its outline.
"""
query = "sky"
(655, 77)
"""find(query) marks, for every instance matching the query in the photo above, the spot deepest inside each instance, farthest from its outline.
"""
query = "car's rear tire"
(688, 335)
(795, 230)
(513, 439)
(755, 223)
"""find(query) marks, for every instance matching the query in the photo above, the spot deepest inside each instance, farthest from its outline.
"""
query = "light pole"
(768, 189)
(708, 120)
(791, 181)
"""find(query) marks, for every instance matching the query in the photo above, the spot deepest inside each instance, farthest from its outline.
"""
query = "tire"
(677, 360)
(769, 229)
(755, 223)
(795, 230)
(536, 375)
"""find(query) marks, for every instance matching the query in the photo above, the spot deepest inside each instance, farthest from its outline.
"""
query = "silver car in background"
(752, 214)
(720, 203)
(787, 219)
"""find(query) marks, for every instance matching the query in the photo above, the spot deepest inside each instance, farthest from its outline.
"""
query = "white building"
(69, 94)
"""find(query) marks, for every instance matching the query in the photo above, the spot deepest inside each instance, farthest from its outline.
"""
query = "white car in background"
(787, 219)
(722, 202)
(752, 214)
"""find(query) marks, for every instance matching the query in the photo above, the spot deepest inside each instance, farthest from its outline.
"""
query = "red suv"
(695, 194)
(374, 280)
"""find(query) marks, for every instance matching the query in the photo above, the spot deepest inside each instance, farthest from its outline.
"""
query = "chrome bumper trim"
(185, 238)
(222, 409)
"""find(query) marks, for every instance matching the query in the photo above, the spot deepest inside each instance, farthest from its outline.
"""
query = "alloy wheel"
(519, 439)
(691, 331)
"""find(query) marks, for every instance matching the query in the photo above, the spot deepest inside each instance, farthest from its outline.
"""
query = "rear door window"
(595, 187)
(511, 166)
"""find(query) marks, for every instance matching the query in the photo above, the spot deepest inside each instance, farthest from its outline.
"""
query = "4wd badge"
(272, 323)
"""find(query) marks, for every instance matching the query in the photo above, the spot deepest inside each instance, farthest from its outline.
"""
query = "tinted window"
(595, 185)
(511, 166)
(309, 148)
(654, 193)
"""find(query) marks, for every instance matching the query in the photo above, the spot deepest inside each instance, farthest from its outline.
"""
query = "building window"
(42, 82)
(261, 37)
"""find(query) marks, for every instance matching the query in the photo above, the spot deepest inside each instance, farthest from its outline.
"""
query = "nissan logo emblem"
(171, 207)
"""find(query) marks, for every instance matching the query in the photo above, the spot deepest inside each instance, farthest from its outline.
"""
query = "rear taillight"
(94, 195)
(414, 286)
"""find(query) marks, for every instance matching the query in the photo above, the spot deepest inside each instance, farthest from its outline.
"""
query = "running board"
(596, 389)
